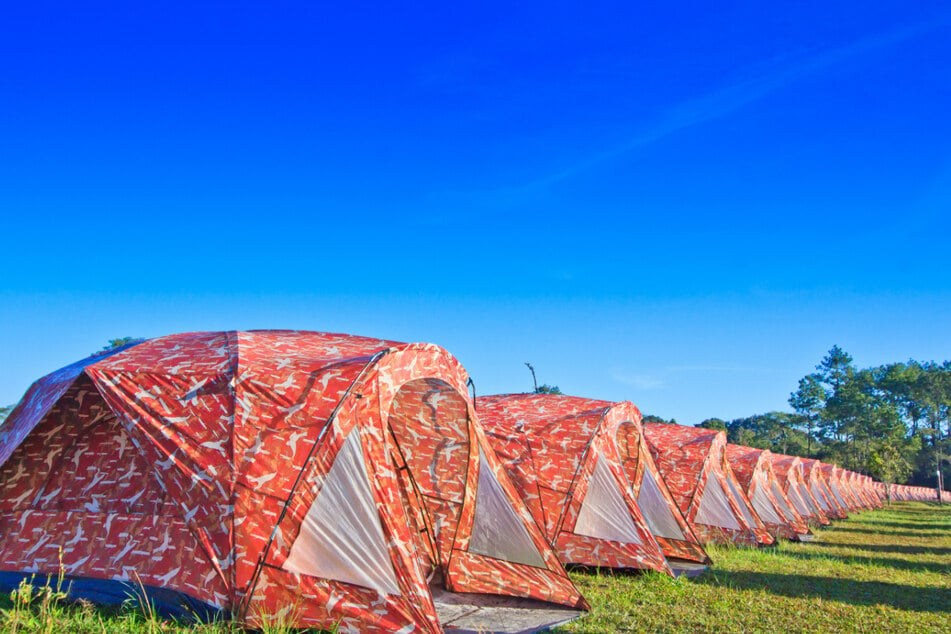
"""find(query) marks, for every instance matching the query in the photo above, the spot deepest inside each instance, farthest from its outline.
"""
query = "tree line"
(892, 421)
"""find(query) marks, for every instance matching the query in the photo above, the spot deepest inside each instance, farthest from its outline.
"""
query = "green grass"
(882, 571)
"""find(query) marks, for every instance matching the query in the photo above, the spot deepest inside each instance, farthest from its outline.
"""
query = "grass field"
(881, 571)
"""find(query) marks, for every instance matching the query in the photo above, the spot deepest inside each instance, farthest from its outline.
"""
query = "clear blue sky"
(684, 206)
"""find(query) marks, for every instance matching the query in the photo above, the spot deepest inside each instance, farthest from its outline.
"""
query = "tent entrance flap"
(429, 422)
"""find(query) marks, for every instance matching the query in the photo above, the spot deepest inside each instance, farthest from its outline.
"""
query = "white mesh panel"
(656, 509)
(764, 507)
(714, 507)
(604, 514)
(815, 503)
(798, 501)
(341, 536)
(497, 530)
(744, 507)
(838, 496)
(816, 493)
(781, 501)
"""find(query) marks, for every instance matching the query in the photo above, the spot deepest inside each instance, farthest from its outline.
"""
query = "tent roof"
(231, 423)
(747, 461)
(555, 446)
(685, 457)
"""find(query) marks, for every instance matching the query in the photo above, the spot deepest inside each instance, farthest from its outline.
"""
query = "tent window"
(715, 509)
(744, 507)
(497, 530)
(796, 498)
(341, 537)
(783, 507)
(604, 514)
(838, 496)
(656, 509)
(820, 498)
(764, 506)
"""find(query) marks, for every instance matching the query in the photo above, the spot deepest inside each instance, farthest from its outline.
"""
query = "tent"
(871, 491)
(754, 471)
(790, 473)
(679, 542)
(837, 475)
(830, 478)
(819, 488)
(336, 481)
(693, 462)
(560, 453)
(856, 483)
(875, 491)
(850, 482)
(551, 445)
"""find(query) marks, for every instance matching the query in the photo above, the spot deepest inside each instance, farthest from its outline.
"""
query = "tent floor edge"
(467, 612)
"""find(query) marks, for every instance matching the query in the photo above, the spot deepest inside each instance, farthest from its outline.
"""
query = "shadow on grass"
(874, 531)
(886, 548)
(607, 572)
(911, 510)
(916, 526)
(886, 562)
(839, 589)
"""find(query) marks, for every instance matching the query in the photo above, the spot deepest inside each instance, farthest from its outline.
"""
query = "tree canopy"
(891, 421)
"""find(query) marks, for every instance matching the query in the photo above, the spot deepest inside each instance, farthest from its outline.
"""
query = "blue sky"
(683, 206)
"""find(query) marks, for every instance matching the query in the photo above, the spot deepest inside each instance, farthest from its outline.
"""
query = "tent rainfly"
(853, 481)
(818, 488)
(617, 425)
(561, 455)
(849, 482)
(864, 484)
(871, 491)
(791, 475)
(693, 462)
(818, 477)
(833, 478)
(754, 471)
(342, 482)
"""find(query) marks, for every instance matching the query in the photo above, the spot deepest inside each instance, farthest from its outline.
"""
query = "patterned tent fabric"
(208, 465)
(754, 471)
(561, 452)
(850, 482)
(819, 494)
(828, 479)
(871, 491)
(693, 463)
(868, 486)
(835, 479)
(853, 482)
(791, 475)
(904, 492)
